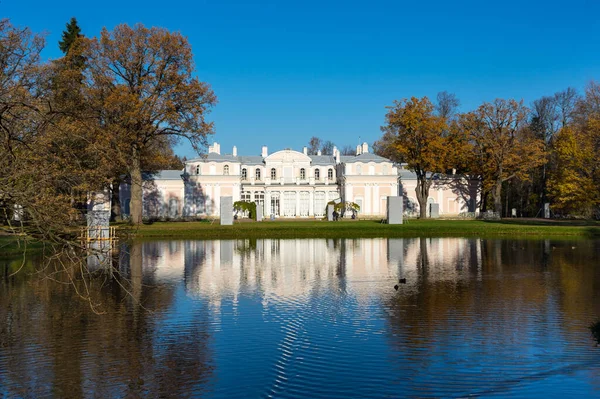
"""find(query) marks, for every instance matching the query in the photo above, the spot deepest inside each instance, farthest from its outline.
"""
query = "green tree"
(69, 36)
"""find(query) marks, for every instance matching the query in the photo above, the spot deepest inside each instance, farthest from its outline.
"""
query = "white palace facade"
(291, 184)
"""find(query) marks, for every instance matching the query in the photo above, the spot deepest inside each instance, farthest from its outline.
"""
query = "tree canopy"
(142, 89)
(416, 135)
(502, 144)
(71, 33)
(574, 184)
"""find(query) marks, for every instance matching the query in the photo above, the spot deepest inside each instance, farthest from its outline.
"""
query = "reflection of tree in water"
(579, 280)
(51, 343)
(500, 306)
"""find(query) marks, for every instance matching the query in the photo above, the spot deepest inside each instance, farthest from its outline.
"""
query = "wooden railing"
(99, 233)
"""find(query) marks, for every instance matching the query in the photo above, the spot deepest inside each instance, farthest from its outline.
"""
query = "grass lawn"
(508, 228)
(366, 228)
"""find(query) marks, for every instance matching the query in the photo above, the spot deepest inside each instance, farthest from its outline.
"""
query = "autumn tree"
(20, 103)
(46, 156)
(416, 135)
(141, 84)
(574, 184)
(502, 145)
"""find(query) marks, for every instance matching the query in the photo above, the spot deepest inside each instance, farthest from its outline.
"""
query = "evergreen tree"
(69, 36)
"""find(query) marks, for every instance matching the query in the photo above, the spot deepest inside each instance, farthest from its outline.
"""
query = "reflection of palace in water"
(289, 268)
(253, 318)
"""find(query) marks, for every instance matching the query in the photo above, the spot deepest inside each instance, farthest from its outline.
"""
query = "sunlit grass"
(363, 228)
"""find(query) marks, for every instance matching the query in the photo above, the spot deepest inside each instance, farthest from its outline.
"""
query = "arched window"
(317, 174)
(273, 174)
(226, 169)
(302, 174)
(257, 174)
(330, 174)
(244, 174)
(358, 169)
(197, 169)
(385, 171)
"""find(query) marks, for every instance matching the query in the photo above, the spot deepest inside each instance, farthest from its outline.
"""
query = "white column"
(367, 203)
(349, 196)
(311, 202)
(184, 211)
(267, 212)
(209, 198)
(376, 200)
(297, 203)
(236, 192)
(218, 198)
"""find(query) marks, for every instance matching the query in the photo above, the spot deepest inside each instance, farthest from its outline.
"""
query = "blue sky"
(285, 71)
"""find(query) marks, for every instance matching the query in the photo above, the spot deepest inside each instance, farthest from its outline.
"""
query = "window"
(246, 196)
(257, 174)
(302, 174)
(330, 174)
(385, 171)
(332, 195)
(320, 203)
(317, 174)
(226, 170)
(275, 205)
(197, 169)
(358, 169)
(289, 203)
(259, 199)
(304, 203)
(244, 174)
(273, 174)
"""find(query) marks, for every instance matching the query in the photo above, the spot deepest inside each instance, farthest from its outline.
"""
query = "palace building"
(292, 184)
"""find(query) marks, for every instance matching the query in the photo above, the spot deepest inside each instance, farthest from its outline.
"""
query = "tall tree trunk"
(422, 191)
(497, 193)
(484, 199)
(115, 203)
(135, 173)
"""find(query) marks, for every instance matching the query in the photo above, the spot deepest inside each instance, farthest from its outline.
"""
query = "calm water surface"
(311, 318)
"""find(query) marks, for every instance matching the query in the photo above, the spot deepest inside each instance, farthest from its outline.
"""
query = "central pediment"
(288, 156)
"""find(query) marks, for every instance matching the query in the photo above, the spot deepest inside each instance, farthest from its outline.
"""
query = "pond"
(311, 318)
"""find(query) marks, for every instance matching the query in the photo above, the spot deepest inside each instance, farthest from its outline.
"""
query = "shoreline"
(363, 229)
(306, 229)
